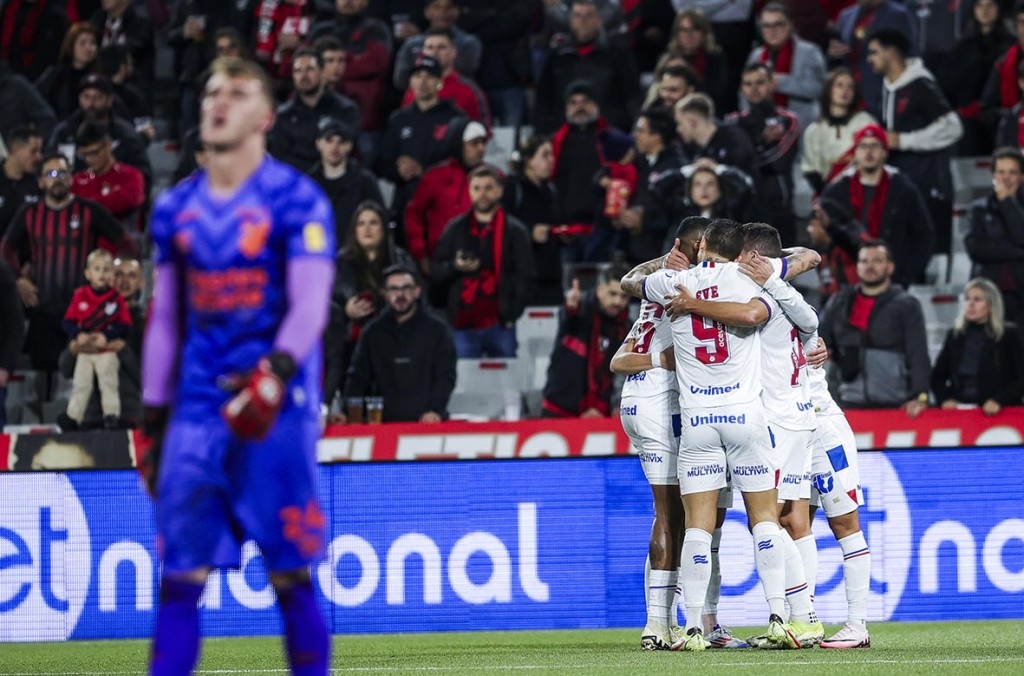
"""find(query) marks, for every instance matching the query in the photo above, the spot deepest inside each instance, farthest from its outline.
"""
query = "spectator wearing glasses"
(118, 187)
(406, 355)
(47, 244)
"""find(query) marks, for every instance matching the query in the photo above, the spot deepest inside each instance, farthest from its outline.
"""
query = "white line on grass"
(534, 667)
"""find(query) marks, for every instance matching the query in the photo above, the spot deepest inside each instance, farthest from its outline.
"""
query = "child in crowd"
(96, 317)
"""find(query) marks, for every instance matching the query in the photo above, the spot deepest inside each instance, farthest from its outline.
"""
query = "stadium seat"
(486, 389)
(972, 177)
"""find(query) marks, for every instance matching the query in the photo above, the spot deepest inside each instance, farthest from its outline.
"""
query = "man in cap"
(96, 104)
(872, 201)
(443, 191)
(341, 176)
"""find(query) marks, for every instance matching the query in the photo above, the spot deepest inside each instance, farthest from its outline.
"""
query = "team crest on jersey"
(183, 241)
(75, 222)
(253, 239)
(109, 309)
(314, 237)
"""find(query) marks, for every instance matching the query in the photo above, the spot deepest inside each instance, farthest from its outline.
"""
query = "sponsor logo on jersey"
(705, 470)
(698, 420)
(627, 410)
(804, 406)
(637, 377)
(794, 479)
(712, 390)
(651, 457)
(314, 237)
(750, 470)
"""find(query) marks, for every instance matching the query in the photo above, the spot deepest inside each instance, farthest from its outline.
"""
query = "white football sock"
(808, 549)
(695, 573)
(797, 594)
(661, 591)
(856, 576)
(769, 558)
(714, 585)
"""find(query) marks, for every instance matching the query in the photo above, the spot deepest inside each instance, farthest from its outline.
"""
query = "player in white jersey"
(649, 411)
(719, 370)
(835, 484)
(788, 409)
(650, 417)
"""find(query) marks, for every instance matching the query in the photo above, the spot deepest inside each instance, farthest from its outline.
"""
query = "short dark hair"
(89, 133)
(435, 31)
(684, 72)
(758, 65)
(725, 238)
(308, 51)
(53, 156)
(661, 122)
(692, 227)
(398, 269)
(890, 38)
(1008, 153)
(526, 151)
(762, 238)
(777, 8)
(21, 135)
(876, 244)
(328, 43)
(484, 171)
(611, 272)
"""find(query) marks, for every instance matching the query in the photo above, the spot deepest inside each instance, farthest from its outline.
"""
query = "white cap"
(474, 130)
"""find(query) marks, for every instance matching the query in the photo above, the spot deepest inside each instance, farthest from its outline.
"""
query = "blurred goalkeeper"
(231, 373)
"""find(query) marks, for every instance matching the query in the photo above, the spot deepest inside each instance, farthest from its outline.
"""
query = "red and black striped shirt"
(56, 242)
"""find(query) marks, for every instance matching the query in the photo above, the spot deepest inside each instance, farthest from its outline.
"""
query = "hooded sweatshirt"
(928, 128)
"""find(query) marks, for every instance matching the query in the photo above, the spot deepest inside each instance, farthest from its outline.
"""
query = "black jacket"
(22, 104)
(906, 224)
(293, 137)
(660, 215)
(995, 241)
(420, 135)
(893, 351)
(350, 279)
(611, 71)
(503, 29)
(729, 145)
(139, 41)
(411, 365)
(346, 192)
(577, 378)
(12, 320)
(517, 269)
(538, 204)
(1001, 372)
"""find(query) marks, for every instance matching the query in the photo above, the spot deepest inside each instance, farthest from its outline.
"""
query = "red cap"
(874, 131)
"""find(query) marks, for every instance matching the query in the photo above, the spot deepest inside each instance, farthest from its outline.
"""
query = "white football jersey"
(716, 365)
(656, 389)
(787, 401)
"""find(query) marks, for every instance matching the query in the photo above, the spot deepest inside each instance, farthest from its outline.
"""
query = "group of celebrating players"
(725, 388)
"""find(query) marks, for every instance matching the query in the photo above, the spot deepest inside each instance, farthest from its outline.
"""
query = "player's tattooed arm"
(627, 363)
(752, 313)
(632, 283)
(760, 269)
(799, 260)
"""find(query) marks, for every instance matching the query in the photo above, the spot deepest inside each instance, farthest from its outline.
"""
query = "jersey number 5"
(713, 333)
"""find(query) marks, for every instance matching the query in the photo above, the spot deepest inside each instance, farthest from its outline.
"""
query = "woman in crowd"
(717, 193)
(59, 83)
(828, 142)
(982, 358)
(357, 297)
(965, 71)
(693, 40)
(530, 196)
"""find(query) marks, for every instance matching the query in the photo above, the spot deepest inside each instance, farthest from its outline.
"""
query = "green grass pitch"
(979, 648)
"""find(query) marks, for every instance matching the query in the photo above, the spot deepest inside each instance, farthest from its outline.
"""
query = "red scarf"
(1009, 91)
(478, 296)
(877, 208)
(782, 63)
(558, 140)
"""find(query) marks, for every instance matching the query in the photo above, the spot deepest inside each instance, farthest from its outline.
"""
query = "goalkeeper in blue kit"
(231, 373)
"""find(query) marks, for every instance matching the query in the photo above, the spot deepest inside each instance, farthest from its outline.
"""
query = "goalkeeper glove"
(259, 396)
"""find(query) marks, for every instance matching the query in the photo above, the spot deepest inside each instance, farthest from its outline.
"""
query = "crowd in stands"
(628, 116)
